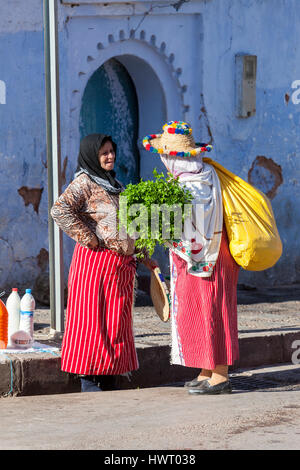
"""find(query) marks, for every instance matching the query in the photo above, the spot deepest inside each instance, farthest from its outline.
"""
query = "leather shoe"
(193, 383)
(204, 388)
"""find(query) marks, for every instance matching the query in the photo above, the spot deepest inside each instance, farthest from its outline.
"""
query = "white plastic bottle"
(13, 308)
(27, 307)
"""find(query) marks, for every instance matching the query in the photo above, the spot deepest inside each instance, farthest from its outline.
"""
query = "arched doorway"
(158, 91)
(129, 97)
(110, 106)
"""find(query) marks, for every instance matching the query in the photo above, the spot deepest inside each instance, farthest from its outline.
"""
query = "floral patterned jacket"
(86, 209)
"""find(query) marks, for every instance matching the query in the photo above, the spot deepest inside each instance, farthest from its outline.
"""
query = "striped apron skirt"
(99, 337)
(204, 313)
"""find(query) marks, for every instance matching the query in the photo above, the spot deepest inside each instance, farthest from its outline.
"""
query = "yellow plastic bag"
(254, 241)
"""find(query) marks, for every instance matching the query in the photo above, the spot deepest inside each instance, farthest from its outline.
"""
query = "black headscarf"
(88, 162)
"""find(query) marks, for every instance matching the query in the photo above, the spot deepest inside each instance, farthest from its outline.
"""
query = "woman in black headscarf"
(98, 342)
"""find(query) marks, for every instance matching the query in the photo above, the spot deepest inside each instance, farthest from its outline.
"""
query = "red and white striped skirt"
(99, 337)
(204, 313)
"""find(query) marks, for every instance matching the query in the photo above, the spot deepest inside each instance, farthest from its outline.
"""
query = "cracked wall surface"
(192, 46)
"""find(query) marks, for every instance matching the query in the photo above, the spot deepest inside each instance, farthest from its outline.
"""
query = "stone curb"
(40, 374)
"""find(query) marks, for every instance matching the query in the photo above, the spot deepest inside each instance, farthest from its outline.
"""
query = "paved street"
(164, 418)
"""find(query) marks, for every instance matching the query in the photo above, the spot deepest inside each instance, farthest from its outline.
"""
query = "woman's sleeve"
(66, 211)
(108, 230)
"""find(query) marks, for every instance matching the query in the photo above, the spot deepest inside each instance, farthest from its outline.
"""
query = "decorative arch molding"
(152, 70)
(149, 52)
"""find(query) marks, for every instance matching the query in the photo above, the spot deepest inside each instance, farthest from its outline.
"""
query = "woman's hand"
(150, 263)
(94, 243)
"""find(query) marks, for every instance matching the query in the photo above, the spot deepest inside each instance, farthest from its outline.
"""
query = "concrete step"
(39, 373)
(269, 333)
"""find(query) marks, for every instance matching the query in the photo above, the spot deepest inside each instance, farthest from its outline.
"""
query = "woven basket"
(160, 294)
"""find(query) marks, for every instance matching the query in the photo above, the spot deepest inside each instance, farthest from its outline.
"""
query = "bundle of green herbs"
(153, 211)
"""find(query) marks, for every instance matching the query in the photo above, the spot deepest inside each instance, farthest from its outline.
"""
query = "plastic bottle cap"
(14, 289)
(28, 291)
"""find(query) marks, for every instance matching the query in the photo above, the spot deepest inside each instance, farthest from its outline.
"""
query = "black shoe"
(108, 382)
(204, 388)
(194, 383)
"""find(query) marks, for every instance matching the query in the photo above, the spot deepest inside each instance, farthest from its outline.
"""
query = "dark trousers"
(94, 383)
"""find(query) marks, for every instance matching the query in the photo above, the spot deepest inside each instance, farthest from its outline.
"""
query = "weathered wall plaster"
(23, 202)
(256, 27)
(266, 175)
(31, 196)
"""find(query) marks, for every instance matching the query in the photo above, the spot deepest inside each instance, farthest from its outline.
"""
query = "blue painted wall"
(269, 30)
(23, 228)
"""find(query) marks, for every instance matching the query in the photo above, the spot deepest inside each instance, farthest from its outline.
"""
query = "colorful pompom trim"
(175, 127)
(192, 153)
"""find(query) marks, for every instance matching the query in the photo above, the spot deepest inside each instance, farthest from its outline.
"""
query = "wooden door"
(110, 106)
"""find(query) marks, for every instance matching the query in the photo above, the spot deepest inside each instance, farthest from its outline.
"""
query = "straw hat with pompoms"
(176, 140)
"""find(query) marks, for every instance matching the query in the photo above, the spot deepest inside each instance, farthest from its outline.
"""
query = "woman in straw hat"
(98, 343)
(203, 273)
